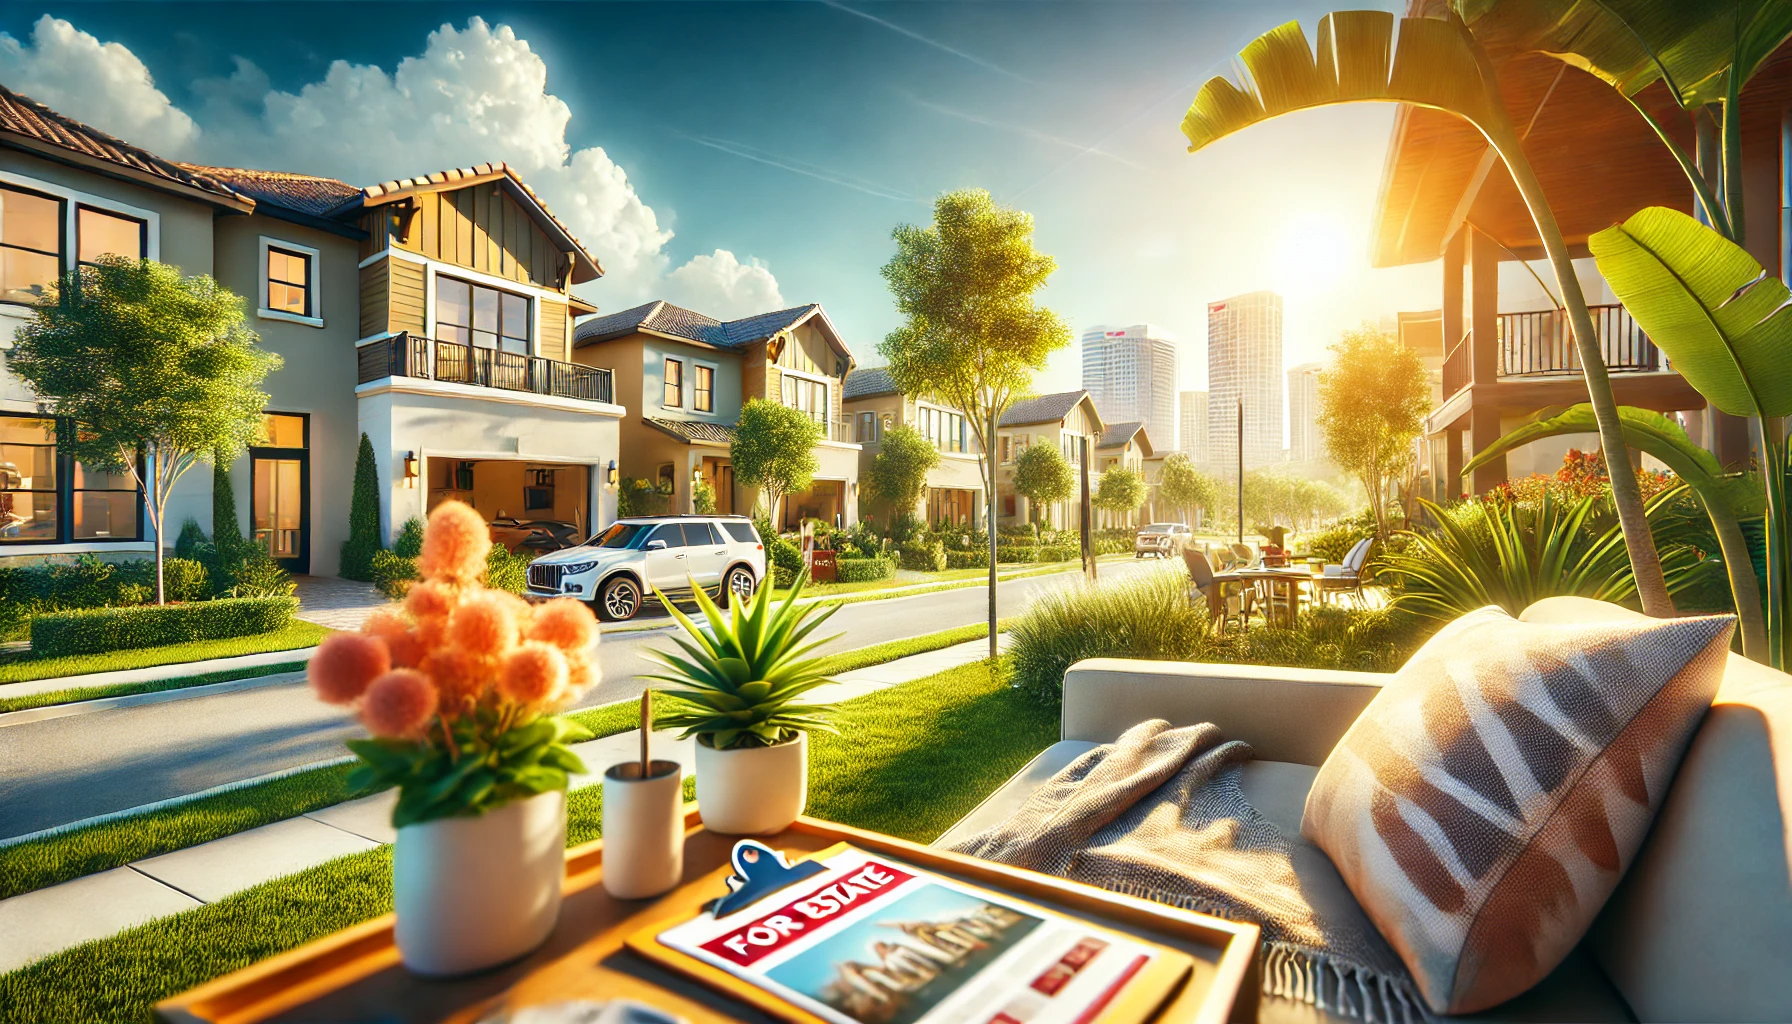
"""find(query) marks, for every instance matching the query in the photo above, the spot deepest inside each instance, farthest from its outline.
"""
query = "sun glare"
(1313, 254)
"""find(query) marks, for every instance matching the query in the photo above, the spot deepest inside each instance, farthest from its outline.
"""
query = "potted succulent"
(458, 687)
(738, 685)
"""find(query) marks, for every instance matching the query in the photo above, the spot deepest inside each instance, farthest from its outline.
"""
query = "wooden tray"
(356, 975)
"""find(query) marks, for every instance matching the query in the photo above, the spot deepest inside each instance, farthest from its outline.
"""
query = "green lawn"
(80, 693)
(18, 669)
(910, 761)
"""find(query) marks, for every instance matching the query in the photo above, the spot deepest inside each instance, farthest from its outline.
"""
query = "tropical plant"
(1185, 489)
(703, 497)
(1120, 491)
(160, 371)
(1042, 476)
(972, 336)
(459, 686)
(1496, 552)
(363, 517)
(899, 472)
(1436, 63)
(1372, 404)
(740, 677)
(1718, 493)
(774, 450)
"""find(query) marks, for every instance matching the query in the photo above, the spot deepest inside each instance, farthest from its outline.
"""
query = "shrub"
(1059, 553)
(507, 571)
(967, 559)
(392, 573)
(410, 538)
(191, 538)
(94, 630)
(363, 517)
(183, 579)
(924, 556)
(1145, 616)
(1014, 553)
(262, 577)
(227, 535)
(863, 570)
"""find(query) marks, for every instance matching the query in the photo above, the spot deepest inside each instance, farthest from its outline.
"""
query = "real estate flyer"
(871, 941)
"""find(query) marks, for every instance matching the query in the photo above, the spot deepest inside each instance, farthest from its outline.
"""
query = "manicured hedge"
(863, 570)
(924, 557)
(94, 630)
(1014, 553)
(967, 559)
(1058, 553)
(392, 573)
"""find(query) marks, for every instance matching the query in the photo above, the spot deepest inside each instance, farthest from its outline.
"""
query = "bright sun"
(1314, 253)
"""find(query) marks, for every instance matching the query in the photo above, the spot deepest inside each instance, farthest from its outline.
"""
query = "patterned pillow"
(1487, 801)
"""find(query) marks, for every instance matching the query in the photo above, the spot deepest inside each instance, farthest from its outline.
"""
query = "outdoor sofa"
(1699, 929)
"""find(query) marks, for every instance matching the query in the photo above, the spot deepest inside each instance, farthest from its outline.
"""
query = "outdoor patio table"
(1287, 581)
(355, 975)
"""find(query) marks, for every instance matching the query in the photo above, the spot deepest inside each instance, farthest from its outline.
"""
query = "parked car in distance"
(537, 535)
(614, 569)
(1160, 540)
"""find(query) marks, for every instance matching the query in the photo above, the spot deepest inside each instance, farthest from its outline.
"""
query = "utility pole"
(1083, 473)
(1241, 469)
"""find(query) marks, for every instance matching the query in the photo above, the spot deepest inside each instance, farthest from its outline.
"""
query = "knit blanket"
(1160, 815)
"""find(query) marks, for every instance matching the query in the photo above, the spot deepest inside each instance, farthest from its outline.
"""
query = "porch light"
(410, 469)
(612, 473)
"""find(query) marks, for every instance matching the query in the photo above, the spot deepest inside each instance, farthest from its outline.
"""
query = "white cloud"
(102, 84)
(722, 286)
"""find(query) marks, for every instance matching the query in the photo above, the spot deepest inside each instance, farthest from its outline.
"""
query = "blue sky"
(734, 155)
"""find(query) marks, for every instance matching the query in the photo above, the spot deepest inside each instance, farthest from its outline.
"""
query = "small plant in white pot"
(458, 686)
(737, 692)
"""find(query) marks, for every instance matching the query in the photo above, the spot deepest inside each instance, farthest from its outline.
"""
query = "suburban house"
(690, 374)
(954, 492)
(433, 314)
(1067, 420)
(1127, 445)
(1500, 343)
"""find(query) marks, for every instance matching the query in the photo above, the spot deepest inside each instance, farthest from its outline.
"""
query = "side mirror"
(656, 545)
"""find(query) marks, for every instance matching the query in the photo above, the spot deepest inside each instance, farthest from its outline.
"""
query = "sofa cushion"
(1486, 803)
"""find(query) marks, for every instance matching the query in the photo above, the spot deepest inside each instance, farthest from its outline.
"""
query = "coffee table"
(355, 975)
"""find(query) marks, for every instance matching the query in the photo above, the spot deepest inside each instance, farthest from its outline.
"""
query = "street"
(65, 769)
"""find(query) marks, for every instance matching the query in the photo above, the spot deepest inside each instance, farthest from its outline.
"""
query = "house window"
(674, 387)
(99, 233)
(944, 429)
(867, 427)
(37, 484)
(808, 396)
(289, 282)
(703, 388)
(30, 245)
(105, 504)
(471, 314)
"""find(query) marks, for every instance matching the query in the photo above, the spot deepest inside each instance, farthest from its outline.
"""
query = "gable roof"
(29, 125)
(1117, 434)
(698, 431)
(869, 383)
(669, 321)
(1046, 409)
(301, 198)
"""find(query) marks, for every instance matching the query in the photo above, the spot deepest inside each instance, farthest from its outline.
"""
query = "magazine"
(864, 939)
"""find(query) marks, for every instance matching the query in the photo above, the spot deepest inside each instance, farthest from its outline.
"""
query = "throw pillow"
(1487, 801)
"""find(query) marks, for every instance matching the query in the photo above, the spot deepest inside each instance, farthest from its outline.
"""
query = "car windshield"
(1159, 528)
(619, 535)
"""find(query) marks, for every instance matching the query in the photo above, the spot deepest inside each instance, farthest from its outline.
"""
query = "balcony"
(1542, 343)
(409, 355)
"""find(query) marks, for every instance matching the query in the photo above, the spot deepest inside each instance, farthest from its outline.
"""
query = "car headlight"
(571, 570)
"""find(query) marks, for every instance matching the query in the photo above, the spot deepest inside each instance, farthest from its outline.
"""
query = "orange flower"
(345, 663)
(566, 623)
(533, 674)
(460, 678)
(399, 704)
(485, 625)
(455, 543)
(391, 626)
(582, 673)
(430, 599)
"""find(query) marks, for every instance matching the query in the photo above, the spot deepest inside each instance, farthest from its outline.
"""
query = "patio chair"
(1202, 586)
(1348, 577)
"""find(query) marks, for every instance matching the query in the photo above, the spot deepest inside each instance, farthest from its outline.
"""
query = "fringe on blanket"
(1309, 976)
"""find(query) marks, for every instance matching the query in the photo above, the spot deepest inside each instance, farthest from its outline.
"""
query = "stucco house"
(954, 491)
(1068, 420)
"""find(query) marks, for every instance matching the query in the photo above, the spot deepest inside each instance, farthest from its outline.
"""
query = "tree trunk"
(989, 462)
(158, 509)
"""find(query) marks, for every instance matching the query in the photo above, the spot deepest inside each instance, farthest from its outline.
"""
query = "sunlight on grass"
(18, 669)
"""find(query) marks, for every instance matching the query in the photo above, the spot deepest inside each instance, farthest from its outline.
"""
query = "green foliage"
(863, 570)
(186, 579)
(507, 571)
(1058, 553)
(899, 473)
(392, 573)
(87, 581)
(227, 534)
(703, 497)
(1006, 553)
(191, 537)
(363, 517)
(490, 763)
(642, 497)
(785, 558)
(93, 630)
(410, 538)
(1372, 404)
(740, 677)
(1120, 491)
(774, 449)
(1042, 475)
(924, 556)
(1272, 498)
(1334, 542)
(976, 558)
(1184, 488)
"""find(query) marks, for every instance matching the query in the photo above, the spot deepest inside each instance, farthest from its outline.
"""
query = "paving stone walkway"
(36, 924)
(336, 603)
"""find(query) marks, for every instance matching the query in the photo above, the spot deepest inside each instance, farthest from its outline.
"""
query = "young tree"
(899, 473)
(1372, 404)
(1185, 488)
(363, 517)
(227, 533)
(158, 371)
(1042, 476)
(1120, 492)
(972, 336)
(774, 450)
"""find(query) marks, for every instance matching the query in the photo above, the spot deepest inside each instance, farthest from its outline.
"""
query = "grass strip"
(909, 762)
(80, 693)
(23, 668)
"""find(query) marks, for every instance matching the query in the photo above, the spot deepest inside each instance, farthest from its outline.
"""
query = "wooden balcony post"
(1483, 430)
(1484, 353)
(1452, 301)
(1450, 487)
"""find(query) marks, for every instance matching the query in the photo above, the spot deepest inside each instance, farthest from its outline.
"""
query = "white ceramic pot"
(643, 829)
(473, 893)
(752, 791)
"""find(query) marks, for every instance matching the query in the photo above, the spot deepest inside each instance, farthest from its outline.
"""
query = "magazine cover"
(866, 940)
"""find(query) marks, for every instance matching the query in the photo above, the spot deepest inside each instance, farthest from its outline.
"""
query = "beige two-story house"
(954, 491)
(1127, 445)
(1067, 420)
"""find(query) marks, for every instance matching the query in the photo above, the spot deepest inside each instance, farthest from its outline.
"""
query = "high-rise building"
(1244, 362)
(1193, 442)
(1304, 442)
(1132, 374)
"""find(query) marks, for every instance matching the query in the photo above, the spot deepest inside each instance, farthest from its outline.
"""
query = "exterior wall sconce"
(611, 473)
(410, 469)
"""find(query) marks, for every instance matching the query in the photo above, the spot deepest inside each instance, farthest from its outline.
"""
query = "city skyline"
(1244, 356)
(1132, 373)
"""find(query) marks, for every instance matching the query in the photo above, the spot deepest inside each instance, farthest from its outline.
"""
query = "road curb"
(87, 707)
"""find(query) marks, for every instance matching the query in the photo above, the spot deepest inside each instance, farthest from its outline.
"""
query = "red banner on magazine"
(751, 942)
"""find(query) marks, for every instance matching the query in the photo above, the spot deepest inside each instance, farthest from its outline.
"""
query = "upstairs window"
(30, 245)
(673, 398)
(289, 282)
(807, 396)
(471, 314)
(99, 233)
(703, 388)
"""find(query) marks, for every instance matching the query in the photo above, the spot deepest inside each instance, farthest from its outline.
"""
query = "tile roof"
(458, 177)
(25, 117)
(869, 382)
(306, 193)
(1042, 409)
(665, 318)
(1117, 434)
(694, 430)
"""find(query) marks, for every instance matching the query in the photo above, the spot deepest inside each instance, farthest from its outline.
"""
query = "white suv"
(722, 554)
(1160, 540)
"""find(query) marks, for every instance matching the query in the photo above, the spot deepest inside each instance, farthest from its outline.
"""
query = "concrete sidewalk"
(36, 924)
(178, 670)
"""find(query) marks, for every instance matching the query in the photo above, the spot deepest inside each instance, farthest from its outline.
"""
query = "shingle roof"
(867, 383)
(665, 318)
(1043, 409)
(44, 129)
(694, 430)
(1117, 434)
(306, 193)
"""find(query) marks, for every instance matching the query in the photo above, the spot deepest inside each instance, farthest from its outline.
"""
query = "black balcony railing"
(1542, 343)
(410, 355)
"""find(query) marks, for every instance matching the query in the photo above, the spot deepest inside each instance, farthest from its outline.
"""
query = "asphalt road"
(65, 769)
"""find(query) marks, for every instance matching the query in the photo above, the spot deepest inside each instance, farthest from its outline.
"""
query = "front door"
(281, 489)
(719, 474)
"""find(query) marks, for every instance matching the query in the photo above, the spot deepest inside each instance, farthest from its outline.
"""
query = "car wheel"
(620, 599)
(738, 584)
